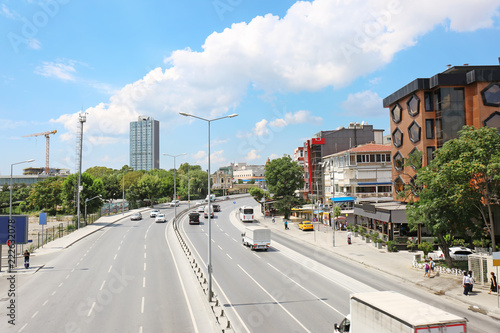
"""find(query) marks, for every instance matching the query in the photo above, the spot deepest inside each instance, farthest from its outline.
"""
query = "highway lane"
(123, 278)
(295, 287)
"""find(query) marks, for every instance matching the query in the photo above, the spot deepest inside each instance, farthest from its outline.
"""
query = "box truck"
(257, 238)
(391, 312)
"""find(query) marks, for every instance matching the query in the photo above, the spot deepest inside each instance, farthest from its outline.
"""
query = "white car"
(174, 203)
(154, 212)
(160, 218)
(201, 209)
(460, 253)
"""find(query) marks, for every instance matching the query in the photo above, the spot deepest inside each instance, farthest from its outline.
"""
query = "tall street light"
(11, 221)
(175, 187)
(209, 265)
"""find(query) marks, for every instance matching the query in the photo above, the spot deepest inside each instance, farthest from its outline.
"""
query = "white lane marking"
(102, 285)
(301, 286)
(119, 247)
(67, 276)
(227, 234)
(181, 280)
(220, 247)
(84, 255)
(60, 284)
(234, 239)
(144, 255)
(22, 328)
(274, 299)
(110, 267)
(121, 242)
(144, 282)
(34, 314)
(54, 292)
(144, 247)
(45, 302)
(144, 266)
(219, 287)
(91, 308)
(229, 256)
(114, 258)
(140, 329)
(255, 254)
(72, 270)
(142, 305)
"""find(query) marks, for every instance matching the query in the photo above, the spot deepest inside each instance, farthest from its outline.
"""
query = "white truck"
(212, 198)
(257, 238)
(391, 312)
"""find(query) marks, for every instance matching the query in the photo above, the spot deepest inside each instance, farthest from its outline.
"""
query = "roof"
(370, 147)
(406, 309)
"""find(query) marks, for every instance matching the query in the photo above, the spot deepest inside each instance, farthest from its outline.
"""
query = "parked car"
(306, 225)
(194, 218)
(460, 253)
(136, 217)
(174, 203)
(160, 218)
(154, 212)
(216, 208)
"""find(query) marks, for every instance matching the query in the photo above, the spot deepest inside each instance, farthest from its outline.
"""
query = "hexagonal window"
(415, 158)
(396, 113)
(493, 120)
(414, 132)
(414, 188)
(398, 161)
(397, 137)
(491, 95)
(399, 185)
(413, 105)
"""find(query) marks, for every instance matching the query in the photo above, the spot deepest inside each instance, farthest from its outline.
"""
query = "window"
(430, 154)
(396, 113)
(429, 128)
(415, 158)
(414, 132)
(491, 95)
(428, 101)
(493, 120)
(398, 161)
(399, 185)
(413, 105)
(397, 138)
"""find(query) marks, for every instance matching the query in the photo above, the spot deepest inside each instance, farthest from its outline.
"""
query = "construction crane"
(46, 134)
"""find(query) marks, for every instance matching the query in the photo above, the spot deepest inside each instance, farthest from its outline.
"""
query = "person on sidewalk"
(349, 237)
(272, 219)
(431, 264)
(466, 283)
(427, 268)
(286, 224)
(471, 281)
(493, 283)
(26, 259)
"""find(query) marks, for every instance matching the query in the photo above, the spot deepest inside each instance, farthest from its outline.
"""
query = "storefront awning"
(343, 199)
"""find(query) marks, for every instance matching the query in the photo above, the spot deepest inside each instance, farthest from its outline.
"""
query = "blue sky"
(289, 69)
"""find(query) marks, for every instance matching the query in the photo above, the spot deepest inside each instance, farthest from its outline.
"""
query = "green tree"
(46, 194)
(257, 193)
(91, 187)
(112, 186)
(99, 171)
(149, 187)
(284, 177)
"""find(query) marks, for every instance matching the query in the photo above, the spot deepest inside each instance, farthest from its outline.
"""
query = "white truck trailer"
(257, 238)
(391, 312)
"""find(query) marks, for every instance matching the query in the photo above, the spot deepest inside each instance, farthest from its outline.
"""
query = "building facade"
(145, 144)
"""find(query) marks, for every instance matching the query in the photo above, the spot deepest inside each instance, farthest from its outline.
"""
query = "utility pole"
(82, 119)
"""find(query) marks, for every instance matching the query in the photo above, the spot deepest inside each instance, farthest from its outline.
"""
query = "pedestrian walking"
(431, 264)
(426, 269)
(26, 259)
(286, 224)
(493, 283)
(349, 237)
(466, 283)
(273, 219)
(471, 281)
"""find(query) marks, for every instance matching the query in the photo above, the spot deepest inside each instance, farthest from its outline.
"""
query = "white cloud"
(252, 155)
(261, 128)
(273, 156)
(216, 157)
(200, 155)
(364, 104)
(299, 117)
(218, 142)
(6, 12)
(317, 44)
(62, 70)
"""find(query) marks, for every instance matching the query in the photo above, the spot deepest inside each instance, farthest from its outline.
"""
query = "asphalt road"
(124, 278)
(294, 287)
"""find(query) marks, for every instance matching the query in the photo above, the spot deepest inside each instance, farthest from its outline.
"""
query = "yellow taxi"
(306, 225)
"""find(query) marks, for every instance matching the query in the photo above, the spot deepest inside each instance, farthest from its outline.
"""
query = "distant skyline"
(289, 69)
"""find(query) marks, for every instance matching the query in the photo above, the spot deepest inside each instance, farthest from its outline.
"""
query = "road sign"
(42, 219)
(496, 258)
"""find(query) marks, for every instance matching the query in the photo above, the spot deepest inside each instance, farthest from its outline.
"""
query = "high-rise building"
(145, 144)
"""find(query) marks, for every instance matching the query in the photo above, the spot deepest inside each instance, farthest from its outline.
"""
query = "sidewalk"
(395, 263)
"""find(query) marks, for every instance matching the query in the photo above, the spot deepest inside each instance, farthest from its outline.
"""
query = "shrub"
(411, 245)
(481, 242)
(391, 246)
(425, 247)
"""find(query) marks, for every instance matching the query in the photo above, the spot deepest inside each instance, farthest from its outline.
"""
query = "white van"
(207, 209)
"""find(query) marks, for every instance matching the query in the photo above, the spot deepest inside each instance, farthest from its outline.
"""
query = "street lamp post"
(175, 187)
(87, 200)
(209, 264)
(123, 190)
(11, 221)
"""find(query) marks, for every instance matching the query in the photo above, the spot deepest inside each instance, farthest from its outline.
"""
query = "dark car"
(216, 208)
(194, 218)
(136, 217)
